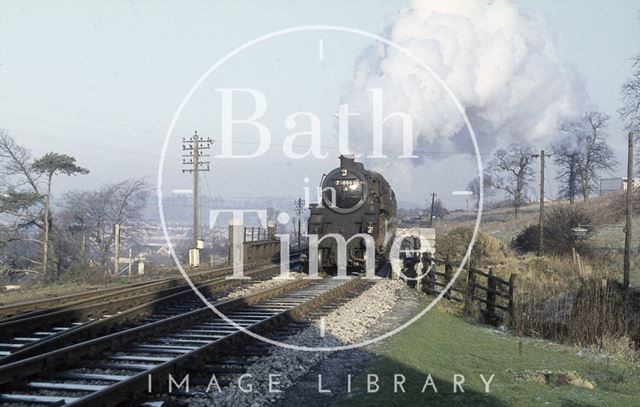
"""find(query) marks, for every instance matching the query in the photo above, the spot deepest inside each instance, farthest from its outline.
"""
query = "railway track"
(239, 362)
(19, 310)
(45, 331)
(116, 368)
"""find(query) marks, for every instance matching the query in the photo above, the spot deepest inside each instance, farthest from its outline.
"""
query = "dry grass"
(621, 349)
(487, 250)
(572, 302)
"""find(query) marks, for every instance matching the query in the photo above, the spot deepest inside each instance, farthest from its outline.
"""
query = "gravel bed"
(349, 323)
(259, 286)
(337, 365)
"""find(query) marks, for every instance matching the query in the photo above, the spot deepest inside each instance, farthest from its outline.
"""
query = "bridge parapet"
(257, 243)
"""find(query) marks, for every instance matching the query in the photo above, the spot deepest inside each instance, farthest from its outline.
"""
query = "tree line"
(39, 237)
(581, 153)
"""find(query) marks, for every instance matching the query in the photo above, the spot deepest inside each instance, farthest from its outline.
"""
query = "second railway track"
(116, 368)
(30, 308)
(45, 331)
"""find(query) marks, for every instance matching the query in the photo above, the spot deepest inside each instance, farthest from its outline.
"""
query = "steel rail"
(30, 308)
(129, 311)
(258, 312)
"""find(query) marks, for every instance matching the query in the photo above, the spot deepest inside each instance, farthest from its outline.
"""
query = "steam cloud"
(498, 59)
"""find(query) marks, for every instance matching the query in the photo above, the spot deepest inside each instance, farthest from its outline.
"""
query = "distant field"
(499, 222)
(443, 345)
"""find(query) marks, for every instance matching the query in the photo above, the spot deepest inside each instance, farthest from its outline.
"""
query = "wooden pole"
(433, 200)
(130, 263)
(196, 190)
(491, 297)
(116, 251)
(541, 218)
(512, 286)
(628, 221)
(83, 247)
(471, 288)
(448, 271)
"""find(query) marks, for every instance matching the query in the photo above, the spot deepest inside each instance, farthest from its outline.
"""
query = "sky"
(102, 81)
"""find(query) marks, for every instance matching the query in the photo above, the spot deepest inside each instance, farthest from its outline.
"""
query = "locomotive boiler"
(354, 201)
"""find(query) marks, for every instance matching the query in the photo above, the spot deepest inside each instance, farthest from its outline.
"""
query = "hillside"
(606, 212)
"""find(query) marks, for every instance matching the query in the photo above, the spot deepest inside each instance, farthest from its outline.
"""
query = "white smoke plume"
(499, 60)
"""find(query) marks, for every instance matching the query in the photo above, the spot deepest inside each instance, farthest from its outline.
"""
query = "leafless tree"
(487, 188)
(16, 163)
(587, 136)
(20, 198)
(568, 159)
(630, 109)
(511, 170)
(96, 213)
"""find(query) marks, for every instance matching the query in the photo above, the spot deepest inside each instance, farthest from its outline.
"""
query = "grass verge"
(527, 373)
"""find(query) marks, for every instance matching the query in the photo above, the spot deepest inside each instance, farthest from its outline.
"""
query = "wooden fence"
(494, 294)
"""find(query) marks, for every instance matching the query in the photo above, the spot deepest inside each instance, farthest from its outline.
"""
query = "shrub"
(559, 237)
(526, 240)
(454, 245)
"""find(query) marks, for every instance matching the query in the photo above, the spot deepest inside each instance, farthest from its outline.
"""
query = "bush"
(559, 238)
(454, 245)
(526, 240)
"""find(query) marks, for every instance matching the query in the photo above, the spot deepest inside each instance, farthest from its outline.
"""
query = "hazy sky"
(102, 80)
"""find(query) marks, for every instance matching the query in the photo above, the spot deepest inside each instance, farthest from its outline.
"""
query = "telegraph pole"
(193, 148)
(116, 254)
(627, 227)
(299, 208)
(130, 264)
(433, 200)
(541, 218)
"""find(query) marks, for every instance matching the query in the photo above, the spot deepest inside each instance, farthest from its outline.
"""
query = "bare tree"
(588, 134)
(568, 159)
(630, 109)
(511, 170)
(20, 198)
(487, 188)
(16, 163)
(97, 212)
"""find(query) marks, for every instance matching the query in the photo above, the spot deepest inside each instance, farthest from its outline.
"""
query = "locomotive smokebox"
(356, 202)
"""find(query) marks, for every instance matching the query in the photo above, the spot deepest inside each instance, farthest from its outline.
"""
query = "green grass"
(612, 236)
(442, 344)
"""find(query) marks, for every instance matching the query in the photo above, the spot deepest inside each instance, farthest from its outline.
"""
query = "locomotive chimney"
(346, 160)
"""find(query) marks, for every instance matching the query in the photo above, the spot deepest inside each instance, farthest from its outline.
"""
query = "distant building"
(636, 183)
(609, 185)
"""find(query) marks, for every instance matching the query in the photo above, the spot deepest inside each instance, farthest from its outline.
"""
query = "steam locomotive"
(354, 200)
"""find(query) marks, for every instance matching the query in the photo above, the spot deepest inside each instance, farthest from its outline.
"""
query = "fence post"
(471, 288)
(512, 284)
(419, 271)
(447, 278)
(431, 278)
(491, 298)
